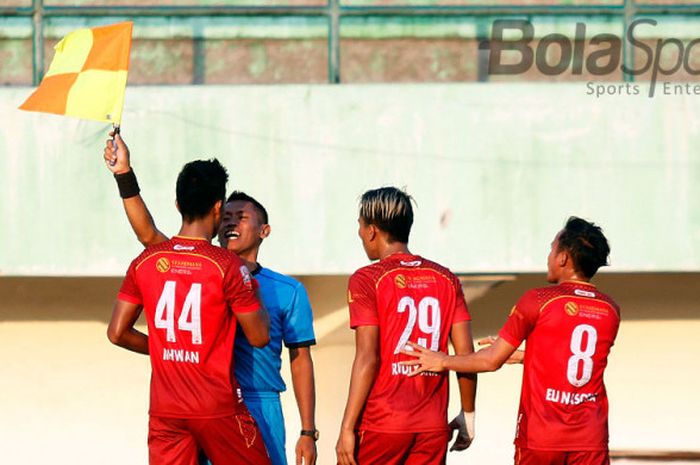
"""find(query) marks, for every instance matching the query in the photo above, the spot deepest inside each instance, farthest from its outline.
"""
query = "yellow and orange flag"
(87, 77)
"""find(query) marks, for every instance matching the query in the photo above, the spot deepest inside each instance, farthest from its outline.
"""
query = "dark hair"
(239, 196)
(200, 184)
(390, 210)
(586, 245)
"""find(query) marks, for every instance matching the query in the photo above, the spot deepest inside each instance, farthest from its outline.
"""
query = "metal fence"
(334, 11)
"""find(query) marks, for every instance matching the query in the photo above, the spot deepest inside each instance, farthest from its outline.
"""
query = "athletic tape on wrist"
(127, 184)
(469, 421)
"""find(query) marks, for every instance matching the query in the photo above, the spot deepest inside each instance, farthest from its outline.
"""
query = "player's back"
(563, 404)
(410, 299)
(186, 286)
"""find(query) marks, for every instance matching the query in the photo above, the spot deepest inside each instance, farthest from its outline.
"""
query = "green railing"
(334, 11)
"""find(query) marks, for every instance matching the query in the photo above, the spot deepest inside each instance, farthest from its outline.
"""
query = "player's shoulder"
(538, 297)
(277, 279)
(437, 268)
(153, 250)
(368, 272)
(541, 296)
(375, 271)
(597, 294)
(186, 252)
(221, 255)
(545, 294)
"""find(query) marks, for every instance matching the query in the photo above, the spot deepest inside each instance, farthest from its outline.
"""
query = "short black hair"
(390, 210)
(242, 196)
(200, 184)
(586, 244)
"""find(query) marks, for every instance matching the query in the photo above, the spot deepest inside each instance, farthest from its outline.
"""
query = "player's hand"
(116, 155)
(306, 451)
(425, 360)
(345, 448)
(463, 424)
(517, 357)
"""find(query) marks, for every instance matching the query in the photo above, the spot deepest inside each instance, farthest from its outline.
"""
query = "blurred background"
(309, 103)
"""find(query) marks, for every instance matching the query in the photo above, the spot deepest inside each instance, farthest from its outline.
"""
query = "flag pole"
(115, 131)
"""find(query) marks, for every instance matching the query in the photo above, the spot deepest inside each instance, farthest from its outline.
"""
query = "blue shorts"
(266, 409)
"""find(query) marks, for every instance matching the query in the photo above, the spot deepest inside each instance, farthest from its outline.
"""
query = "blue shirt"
(291, 323)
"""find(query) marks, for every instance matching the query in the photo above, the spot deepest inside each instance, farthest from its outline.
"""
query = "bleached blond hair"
(390, 210)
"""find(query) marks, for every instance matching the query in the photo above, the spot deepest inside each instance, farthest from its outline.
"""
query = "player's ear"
(217, 209)
(265, 231)
(563, 258)
(372, 232)
(177, 205)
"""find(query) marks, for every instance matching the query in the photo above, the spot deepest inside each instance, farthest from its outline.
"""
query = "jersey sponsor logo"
(181, 355)
(419, 281)
(412, 264)
(571, 308)
(245, 274)
(178, 266)
(569, 398)
(512, 310)
(583, 293)
(350, 297)
(593, 312)
(400, 281)
(183, 247)
(163, 265)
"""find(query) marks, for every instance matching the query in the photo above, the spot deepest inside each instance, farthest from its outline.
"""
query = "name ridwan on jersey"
(181, 355)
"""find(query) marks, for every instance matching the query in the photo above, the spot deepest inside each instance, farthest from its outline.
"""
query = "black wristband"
(127, 184)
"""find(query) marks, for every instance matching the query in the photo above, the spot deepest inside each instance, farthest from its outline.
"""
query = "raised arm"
(461, 336)
(117, 159)
(364, 372)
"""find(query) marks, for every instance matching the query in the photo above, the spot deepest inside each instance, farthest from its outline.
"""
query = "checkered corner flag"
(87, 77)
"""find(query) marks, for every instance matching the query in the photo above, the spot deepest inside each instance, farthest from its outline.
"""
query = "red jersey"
(187, 288)
(569, 329)
(410, 299)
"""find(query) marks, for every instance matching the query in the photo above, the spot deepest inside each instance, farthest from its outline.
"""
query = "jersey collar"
(188, 238)
(577, 282)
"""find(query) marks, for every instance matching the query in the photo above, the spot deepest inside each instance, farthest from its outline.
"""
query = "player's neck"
(572, 275)
(250, 258)
(392, 248)
(198, 229)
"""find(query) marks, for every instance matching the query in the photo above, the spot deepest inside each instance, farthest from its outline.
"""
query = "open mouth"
(231, 234)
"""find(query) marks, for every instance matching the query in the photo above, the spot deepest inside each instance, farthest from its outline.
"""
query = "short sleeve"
(461, 310)
(522, 319)
(239, 289)
(129, 291)
(362, 301)
(297, 325)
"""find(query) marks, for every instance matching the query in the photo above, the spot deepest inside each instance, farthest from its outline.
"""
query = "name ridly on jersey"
(569, 398)
(181, 355)
(402, 370)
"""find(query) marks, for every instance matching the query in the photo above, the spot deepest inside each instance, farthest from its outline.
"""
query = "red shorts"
(374, 448)
(227, 440)
(553, 457)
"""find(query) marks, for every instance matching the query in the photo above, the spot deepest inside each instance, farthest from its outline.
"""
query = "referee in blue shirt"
(243, 228)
